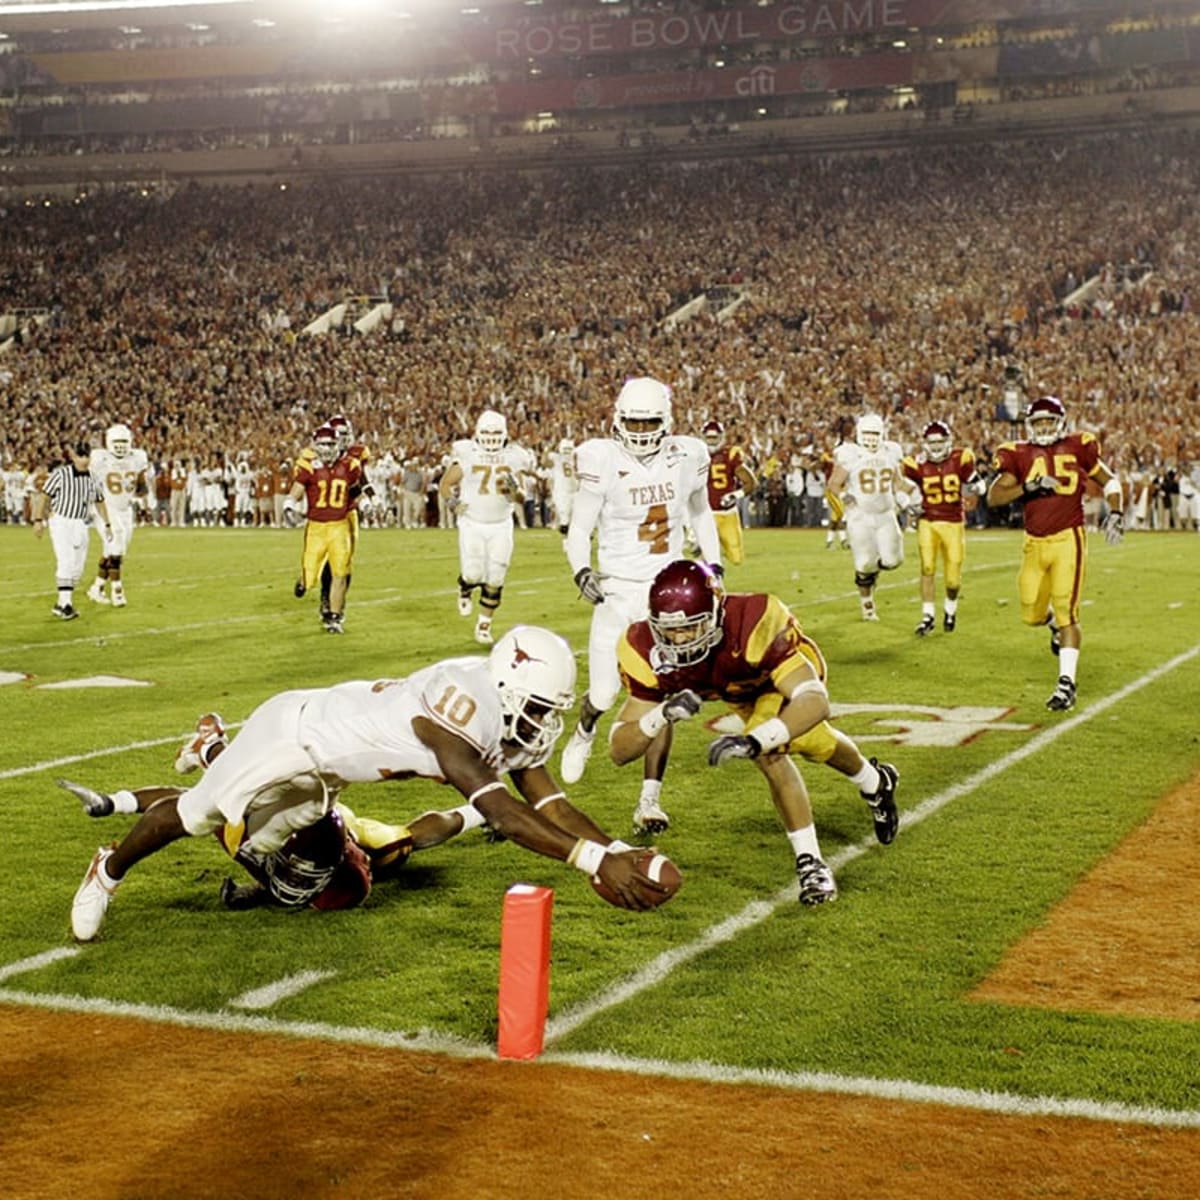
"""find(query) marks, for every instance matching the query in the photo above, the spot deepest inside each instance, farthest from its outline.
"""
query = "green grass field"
(1007, 807)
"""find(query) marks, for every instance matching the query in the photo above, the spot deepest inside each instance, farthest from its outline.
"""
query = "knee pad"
(865, 578)
(489, 597)
(465, 587)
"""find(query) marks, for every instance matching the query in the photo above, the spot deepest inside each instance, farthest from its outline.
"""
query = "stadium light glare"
(31, 8)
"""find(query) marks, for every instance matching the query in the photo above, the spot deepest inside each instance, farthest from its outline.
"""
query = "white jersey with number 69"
(644, 502)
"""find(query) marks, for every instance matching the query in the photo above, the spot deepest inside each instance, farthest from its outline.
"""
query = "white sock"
(950, 607)
(867, 780)
(472, 818)
(124, 801)
(651, 790)
(1068, 661)
(804, 841)
(927, 609)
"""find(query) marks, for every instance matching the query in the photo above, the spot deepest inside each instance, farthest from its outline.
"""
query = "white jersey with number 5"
(491, 484)
(871, 476)
(644, 502)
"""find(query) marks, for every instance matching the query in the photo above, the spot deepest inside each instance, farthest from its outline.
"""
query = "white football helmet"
(534, 671)
(643, 399)
(1046, 420)
(491, 430)
(566, 446)
(868, 432)
(118, 440)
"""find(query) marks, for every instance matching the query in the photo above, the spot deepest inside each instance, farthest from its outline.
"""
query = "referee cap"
(83, 449)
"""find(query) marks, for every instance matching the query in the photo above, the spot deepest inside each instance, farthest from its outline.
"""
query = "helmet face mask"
(713, 434)
(687, 613)
(936, 439)
(868, 432)
(642, 418)
(491, 431)
(118, 440)
(1045, 421)
(534, 672)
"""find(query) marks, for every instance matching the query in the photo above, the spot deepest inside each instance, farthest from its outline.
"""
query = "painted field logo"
(926, 724)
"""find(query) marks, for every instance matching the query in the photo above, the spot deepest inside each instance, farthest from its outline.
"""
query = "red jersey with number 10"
(329, 487)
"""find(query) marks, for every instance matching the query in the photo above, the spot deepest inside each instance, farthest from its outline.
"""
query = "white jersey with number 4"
(644, 502)
(487, 475)
(871, 476)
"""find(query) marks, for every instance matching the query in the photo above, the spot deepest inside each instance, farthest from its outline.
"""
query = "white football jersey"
(361, 732)
(484, 472)
(871, 477)
(562, 473)
(118, 476)
(644, 502)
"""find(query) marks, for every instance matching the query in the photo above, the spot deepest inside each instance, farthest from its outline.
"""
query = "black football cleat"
(925, 628)
(817, 885)
(948, 622)
(883, 803)
(1062, 699)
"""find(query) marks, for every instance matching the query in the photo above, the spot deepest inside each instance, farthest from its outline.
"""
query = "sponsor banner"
(512, 38)
(680, 87)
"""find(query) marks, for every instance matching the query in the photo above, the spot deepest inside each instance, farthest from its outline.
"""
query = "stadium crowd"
(934, 283)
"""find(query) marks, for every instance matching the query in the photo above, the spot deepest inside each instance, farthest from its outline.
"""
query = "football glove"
(1035, 487)
(588, 583)
(732, 746)
(730, 499)
(291, 515)
(682, 706)
(1114, 528)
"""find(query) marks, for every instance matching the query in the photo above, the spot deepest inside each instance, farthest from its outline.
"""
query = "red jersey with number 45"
(1070, 460)
(941, 483)
(329, 487)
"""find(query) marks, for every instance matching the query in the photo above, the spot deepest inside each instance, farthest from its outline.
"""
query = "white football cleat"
(96, 593)
(483, 631)
(204, 745)
(649, 817)
(465, 605)
(576, 753)
(91, 900)
(95, 804)
(118, 595)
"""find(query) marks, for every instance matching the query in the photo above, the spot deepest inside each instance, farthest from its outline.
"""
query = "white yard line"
(282, 989)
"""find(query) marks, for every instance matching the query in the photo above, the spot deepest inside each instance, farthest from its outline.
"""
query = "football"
(659, 867)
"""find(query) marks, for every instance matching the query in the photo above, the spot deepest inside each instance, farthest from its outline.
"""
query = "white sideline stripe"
(105, 752)
(657, 969)
(37, 961)
(888, 1089)
(282, 989)
(431, 1043)
(161, 1014)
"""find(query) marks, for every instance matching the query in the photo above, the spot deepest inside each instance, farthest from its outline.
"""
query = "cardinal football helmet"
(1045, 420)
(534, 671)
(936, 439)
(713, 434)
(642, 400)
(868, 432)
(343, 431)
(325, 442)
(118, 440)
(687, 612)
(491, 430)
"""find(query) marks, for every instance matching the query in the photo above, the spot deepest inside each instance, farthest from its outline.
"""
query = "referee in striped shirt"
(68, 496)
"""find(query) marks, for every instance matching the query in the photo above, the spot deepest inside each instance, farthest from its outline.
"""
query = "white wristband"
(1112, 492)
(653, 722)
(586, 856)
(616, 846)
(772, 734)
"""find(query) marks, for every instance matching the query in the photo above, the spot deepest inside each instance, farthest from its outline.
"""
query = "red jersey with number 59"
(1070, 460)
(941, 483)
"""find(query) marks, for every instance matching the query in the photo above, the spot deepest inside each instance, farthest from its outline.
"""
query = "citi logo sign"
(760, 81)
